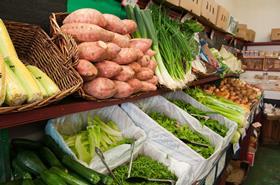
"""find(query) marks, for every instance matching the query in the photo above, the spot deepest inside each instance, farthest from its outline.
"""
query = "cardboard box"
(205, 9)
(174, 2)
(222, 18)
(251, 34)
(275, 34)
(193, 6)
(241, 31)
(213, 11)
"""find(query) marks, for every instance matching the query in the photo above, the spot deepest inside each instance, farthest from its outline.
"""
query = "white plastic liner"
(74, 123)
(167, 142)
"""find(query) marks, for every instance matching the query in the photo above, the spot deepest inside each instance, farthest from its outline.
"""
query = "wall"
(260, 15)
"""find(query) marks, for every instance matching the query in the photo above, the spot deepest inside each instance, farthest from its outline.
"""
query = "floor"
(266, 170)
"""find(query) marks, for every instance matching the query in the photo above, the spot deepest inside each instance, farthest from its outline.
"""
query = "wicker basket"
(68, 47)
(34, 47)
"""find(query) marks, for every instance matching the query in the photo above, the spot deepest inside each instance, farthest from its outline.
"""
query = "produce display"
(183, 132)
(202, 117)
(144, 166)
(19, 83)
(235, 90)
(173, 41)
(45, 163)
(108, 58)
(97, 134)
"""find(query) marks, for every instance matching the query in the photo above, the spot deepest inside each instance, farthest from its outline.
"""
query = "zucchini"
(69, 179)
(51, 178)
(27, 144)
(48, 157)
(38, 181)
(18, 172)
(30, 162)
(27, 182)
(89, 174)
(55, 148)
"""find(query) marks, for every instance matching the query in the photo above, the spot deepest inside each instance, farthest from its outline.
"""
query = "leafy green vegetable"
(220, 105)
(184, 132)
(202, 117)
(144, 166)
(97, 134)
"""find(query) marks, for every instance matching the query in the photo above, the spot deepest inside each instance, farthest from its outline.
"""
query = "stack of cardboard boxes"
(245, 33)
(217, 15)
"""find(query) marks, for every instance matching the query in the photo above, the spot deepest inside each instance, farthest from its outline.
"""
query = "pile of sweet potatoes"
(110, 62)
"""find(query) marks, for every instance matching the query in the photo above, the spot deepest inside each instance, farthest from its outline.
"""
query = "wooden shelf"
(74, 105)
(259, 57)
(275, 43)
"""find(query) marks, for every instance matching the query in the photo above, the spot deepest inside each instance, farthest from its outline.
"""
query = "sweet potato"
(112, 51)
(130, 25)
(153, 80)
(148, 86)
(150, 52)
(145, 74)
(135, 84)
(121, 40)
(115, 24)
(84, 32)
(152, 65)
(92, 51)
(86, 69)
(123, 89)
(86, 15)
(108, 69)
(144, 61)
(128, 55)
(135, 66)
(100, 88)
(143, 44)
(126, 74)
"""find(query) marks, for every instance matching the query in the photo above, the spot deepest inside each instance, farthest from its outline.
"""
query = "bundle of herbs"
(173, 41)
(202, 117)
(184, 133)
(146, 167)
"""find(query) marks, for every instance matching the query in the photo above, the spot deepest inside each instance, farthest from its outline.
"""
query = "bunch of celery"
(173, 42)
(97, 134)
(202, 117)
(220, 105)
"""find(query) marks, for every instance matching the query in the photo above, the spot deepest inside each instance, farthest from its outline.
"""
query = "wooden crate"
(271, 130)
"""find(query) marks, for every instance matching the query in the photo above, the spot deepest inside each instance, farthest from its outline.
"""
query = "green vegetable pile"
(220, 105)
(184, 132)
(97, 134)
(202, 117)
(144, 166)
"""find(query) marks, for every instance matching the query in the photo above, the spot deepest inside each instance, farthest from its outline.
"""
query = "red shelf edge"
(57, 110)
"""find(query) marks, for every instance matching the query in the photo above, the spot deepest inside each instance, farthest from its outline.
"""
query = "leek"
(15, 93)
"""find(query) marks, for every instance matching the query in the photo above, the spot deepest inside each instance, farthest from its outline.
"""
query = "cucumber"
(38, 181)
(30, 162)
(18, 172)
(27, 144)
(55, 148)
(50, 178)
(89, 174)
(69, 179)
(27, 182)
(48, 157)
